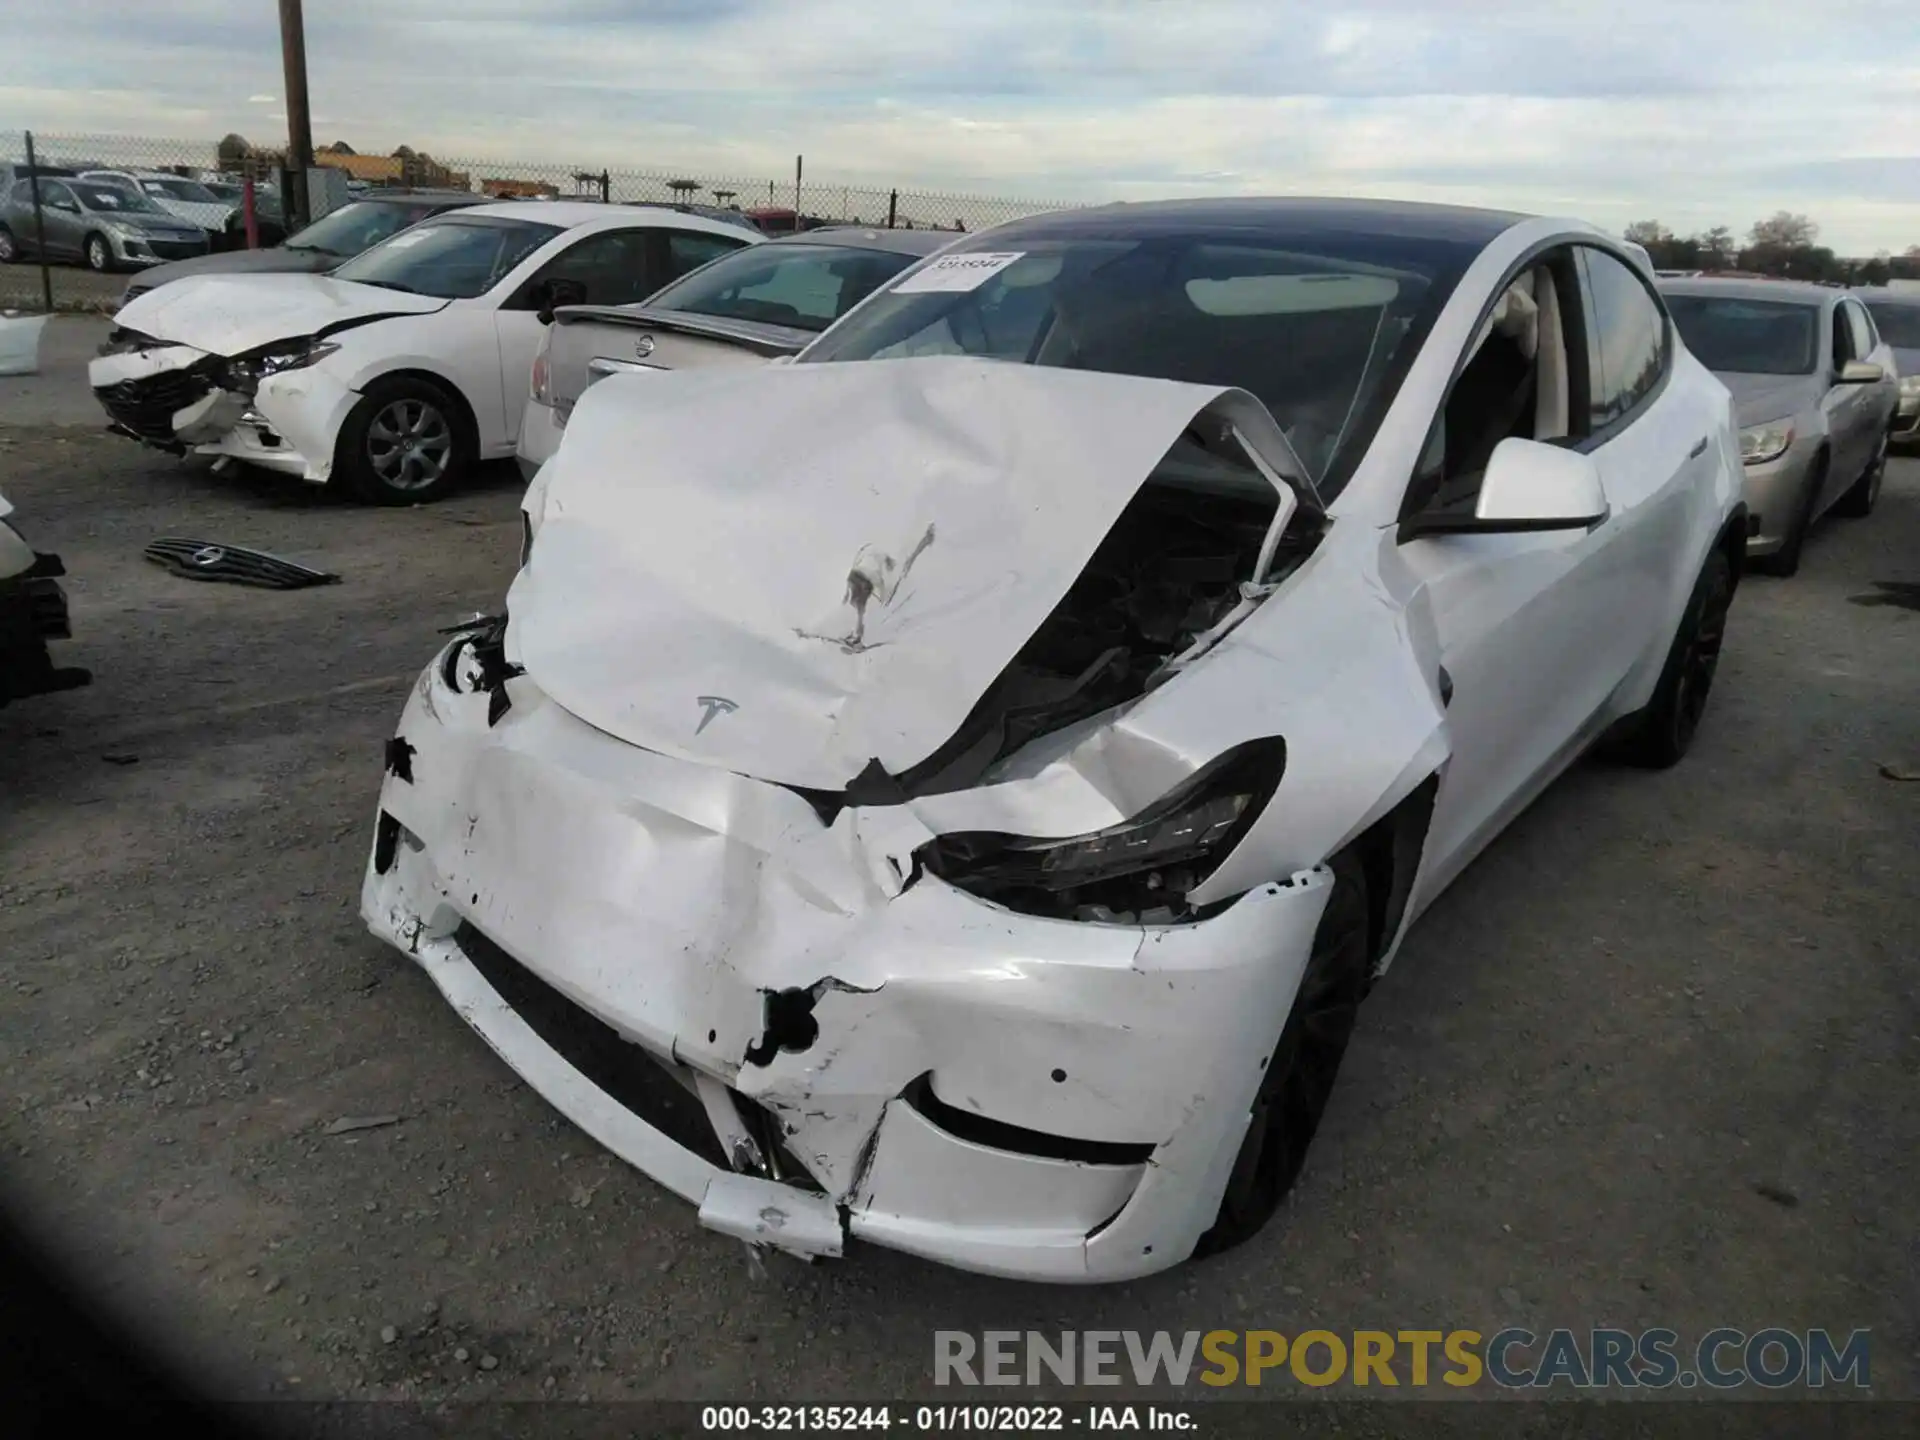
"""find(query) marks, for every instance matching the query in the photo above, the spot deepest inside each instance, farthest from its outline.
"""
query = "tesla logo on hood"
(643, 347)
(713, 705)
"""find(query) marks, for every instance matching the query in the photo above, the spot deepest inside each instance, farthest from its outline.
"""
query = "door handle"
(1699, 448)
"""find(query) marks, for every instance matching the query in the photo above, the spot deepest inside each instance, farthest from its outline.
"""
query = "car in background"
(330, 241)
(105, 227)
(392, 374)
(33, 611)
(1815, 390)
(267, 220)
(992, 780)
(1896, 315)
(12, 170)
(752, 305)
(177, 195)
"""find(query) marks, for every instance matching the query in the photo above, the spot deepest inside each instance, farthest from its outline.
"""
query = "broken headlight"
(282, 355)
(1142, 868)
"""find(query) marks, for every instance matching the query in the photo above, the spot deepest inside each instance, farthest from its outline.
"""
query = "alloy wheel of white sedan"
(953, 791)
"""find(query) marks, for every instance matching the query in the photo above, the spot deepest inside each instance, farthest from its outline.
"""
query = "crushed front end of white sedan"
(232, 367)
(934, 779)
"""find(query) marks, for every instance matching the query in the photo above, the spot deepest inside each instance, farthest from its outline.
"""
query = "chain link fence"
(84, 261)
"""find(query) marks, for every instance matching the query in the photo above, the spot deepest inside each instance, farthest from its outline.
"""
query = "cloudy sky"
(1695, 112)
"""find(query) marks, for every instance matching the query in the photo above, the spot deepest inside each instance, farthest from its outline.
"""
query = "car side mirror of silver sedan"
(1860, 372)
(1527, 485)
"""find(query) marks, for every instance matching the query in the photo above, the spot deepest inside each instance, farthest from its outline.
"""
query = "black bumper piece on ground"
(33, 610)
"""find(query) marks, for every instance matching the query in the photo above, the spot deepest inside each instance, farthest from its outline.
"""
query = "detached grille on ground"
(206, 560)
(147, 406)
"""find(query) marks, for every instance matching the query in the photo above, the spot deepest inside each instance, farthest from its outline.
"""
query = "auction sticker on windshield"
(958, 272)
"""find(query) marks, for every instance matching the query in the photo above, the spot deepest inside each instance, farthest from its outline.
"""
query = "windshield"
(807, 287)
(1747, 337)
(191, 191)
(1899, 324)
(451, 259)
(358, 225)
(1320, 330)
(97, 195)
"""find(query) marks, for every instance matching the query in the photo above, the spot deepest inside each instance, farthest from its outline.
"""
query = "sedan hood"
(232, 314)
(278, 261)
(794, 571)
(208, 216)
(1759, 398)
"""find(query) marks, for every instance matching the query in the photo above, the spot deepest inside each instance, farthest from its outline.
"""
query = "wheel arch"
(463, 407)
(1390, 851)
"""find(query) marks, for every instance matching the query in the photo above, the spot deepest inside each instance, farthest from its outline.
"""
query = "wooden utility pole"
(293, 58)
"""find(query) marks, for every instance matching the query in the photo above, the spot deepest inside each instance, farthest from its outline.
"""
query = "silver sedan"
(1815, 388)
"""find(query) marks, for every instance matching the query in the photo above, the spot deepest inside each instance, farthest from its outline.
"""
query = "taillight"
(538, 381)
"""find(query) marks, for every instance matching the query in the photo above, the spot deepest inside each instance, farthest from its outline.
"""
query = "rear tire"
(1657, 736)
(9, 250)
(408, 442)
(1859, 501)
(1300, 1072)
(1786, 560)
(99, 254)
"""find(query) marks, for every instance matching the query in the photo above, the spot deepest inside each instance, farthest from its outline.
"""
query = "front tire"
(1663, 732)
(1859, 501)
(1786, 560)
(9, 248)
(406, 443)
(99, 254)
(1299, 1075)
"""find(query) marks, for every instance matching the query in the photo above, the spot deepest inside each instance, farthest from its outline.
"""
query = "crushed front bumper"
(890, 1060)
(178, 399)
(33, 611)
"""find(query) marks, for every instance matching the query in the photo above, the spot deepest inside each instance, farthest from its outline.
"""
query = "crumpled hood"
(280, 259)
(791, 571)
(1759, 398)
(232, 314)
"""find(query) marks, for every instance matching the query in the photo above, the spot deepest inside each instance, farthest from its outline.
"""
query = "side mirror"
(1527, 486)
(1860, 372)
(550, 294)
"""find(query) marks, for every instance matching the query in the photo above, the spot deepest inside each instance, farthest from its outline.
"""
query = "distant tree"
(1784, 230)
(1876, 271)
(232, 149)
(340, 147)
(403, 152)
(1648, 233)
(1717, 250)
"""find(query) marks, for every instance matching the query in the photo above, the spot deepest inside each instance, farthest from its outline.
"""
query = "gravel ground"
(1651, 1062)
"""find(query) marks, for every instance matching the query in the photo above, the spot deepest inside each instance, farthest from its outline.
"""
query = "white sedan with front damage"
(396, 373)
(958, 800)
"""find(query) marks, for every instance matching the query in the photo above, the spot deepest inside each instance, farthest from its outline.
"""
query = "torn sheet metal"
(851, 572)
(674, 902)
(233, 314)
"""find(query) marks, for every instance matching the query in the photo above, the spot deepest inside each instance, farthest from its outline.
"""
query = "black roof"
(418, 197)
(871, 237)
(1295, 216)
